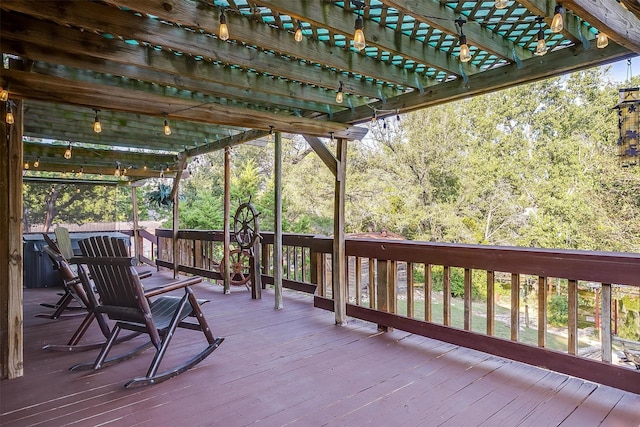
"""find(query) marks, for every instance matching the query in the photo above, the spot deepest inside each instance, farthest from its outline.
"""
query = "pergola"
(285, 66)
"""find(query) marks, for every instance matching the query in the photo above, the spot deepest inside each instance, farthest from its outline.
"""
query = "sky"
(619, 70)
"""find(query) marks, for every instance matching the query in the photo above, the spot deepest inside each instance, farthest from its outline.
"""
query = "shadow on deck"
(295, 367)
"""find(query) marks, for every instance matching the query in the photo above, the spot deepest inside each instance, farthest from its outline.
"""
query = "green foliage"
(558, 310)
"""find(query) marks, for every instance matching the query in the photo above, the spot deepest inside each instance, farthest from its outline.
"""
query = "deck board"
(295, 367)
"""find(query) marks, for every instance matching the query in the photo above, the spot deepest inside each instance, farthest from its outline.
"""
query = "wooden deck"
(295, 367)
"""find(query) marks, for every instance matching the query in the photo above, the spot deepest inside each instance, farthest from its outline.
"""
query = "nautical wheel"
(245, 226)
(239, 270)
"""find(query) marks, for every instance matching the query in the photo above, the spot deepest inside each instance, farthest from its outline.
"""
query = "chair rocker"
(123, 299)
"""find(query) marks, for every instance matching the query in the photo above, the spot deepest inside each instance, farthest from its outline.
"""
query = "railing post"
(468, 294)
(515, 307)
(446, 295)
(491, 303)
(605, 322)
(573, 317)
(428, 292)
(410, 303)
(542, 311)
(358, 281)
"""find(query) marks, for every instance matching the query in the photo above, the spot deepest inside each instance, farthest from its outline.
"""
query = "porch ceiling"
(139, 61)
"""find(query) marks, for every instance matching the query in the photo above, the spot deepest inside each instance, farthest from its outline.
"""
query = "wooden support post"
(254, 267)
(491, 303)
(338, 258)
(226, 233)
(11, 278)
(372, 287)
(175, 199)
(277, 234)
(468, 294)
(542, 311)
(446, 295)
(410, 302)
(137, 241)
(515, 307)
(605, 329)
(573, 317)
(383, 302)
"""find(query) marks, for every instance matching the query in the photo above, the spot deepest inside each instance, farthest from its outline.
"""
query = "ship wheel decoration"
(245, 226)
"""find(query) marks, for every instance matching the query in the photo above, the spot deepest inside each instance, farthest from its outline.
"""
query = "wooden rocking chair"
(124, 300)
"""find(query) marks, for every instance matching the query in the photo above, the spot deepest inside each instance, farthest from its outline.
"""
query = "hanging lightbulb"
(4, 94)
(298, 35)
(557, 24)
(223, 31)
(81, 171)
(340, 95)
(270, 136)
(9, 117)
(359, 42)
(541, 47)
(374, 117)
(37, 162)
(167, 129)
(602, 40)
(501, 4)
(465, 54)
(117, 171)
(97, 127)
(26, 165)
(67, 152)
(144, 167)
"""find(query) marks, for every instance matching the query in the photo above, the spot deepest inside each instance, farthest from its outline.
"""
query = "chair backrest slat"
(63, 239)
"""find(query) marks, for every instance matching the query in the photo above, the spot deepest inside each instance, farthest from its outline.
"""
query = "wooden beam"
(96, 18)
(324, 153)
(477, 35)
(242, 30)
(277, 215)
(620, 25)
(54, 89)
(231, 141)
(552, 64)
(326, 15)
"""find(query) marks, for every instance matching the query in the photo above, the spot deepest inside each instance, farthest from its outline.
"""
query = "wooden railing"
(504, 293)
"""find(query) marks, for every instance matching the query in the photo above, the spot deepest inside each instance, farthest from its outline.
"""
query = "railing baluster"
(358, 273)
(446, 295)
(468, 294)
(573, 317)
(371, 287)
(428, 292)
(383, 267)
(515, 307)
(491, 303)
(542, 311)
(410, 304)
(605, 322)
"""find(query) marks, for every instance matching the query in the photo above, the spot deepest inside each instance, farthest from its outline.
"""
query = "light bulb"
(26, 165)
(557, 24)
(9, 118)
(602, 41)
(97, 127)
(67, 152)
(501, 4)
(340, 95)
(465, 55)
(223, 31)
(359, 42)
(298, 35)
(167, 129)
(36, 163)
(4, 95)
(81, 171)
(541, 47)
(117, 172)
(270, 136)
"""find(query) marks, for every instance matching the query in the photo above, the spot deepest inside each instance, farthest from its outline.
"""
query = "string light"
(374, 117)
(167, 129)
(26, 165)
(97, 127)
(67, 152)
(117, 171)
(340, 95)
(223, 31)
(501, 4)
(557, 24)
(81, 171)
(541, 47)
(465, 54)
(602, 40)
(9, 117)
(331, 136)
(4, 94)
(359, 42)
(37, 162)
(270, 136)
(298, 35)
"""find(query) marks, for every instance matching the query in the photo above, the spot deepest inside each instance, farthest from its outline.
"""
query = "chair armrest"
(172, 286)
